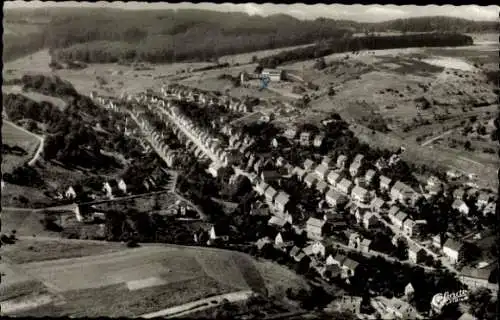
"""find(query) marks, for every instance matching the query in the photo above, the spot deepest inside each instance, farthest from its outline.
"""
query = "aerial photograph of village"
(249, 161)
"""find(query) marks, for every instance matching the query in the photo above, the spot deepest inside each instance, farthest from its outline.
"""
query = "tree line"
(365, 43)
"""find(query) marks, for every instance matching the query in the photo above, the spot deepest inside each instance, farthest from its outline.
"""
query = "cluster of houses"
(206, 98)
(157, 139)
(305, 139)
(110, 189)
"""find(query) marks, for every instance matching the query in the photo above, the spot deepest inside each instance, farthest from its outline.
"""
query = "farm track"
(41, 140)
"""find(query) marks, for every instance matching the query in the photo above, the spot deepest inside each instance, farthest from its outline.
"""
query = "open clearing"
(26, 223)
(14, 136)
(141, 280)
(35, 96)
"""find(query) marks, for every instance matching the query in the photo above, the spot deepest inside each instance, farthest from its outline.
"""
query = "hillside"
(133, 281)
(167, 35)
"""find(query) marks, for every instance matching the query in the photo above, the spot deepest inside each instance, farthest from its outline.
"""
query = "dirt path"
(431, 140)
(40, 138)
(199, 305)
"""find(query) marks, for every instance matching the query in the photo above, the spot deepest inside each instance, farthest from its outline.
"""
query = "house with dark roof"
(270, 175)
(476, 278)
(349, 267)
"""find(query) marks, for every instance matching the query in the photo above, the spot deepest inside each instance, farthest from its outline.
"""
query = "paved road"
(199, 305)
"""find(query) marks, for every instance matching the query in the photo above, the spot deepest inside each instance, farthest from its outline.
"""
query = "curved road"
(40, 138)
(199, 305)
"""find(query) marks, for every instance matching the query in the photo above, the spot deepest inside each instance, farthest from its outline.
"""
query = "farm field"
(14, 136)
(34, 63)
(26, 223)
(89, 285)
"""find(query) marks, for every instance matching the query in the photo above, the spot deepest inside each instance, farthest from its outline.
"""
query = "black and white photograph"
(244, 161)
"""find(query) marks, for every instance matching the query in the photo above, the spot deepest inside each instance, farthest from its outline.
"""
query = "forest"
(92, 35)
(369, 42)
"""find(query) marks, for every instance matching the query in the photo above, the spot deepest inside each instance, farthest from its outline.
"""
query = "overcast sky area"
(363, 13)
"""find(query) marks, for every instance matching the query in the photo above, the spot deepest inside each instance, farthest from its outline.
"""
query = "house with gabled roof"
(333, 178)
(365, 245)
(341, 161)
(476, 278)
(415, 254)
(335, 199)
(384, 183)
(318, 140)
(281, 241)
(369, 175)
(281, 201)
(318, 248)
(338, 259)
(322, 186)
(280, 162)
(344, 186)
(377, 204)
(354, 240)
(270, 194)
(401, 192)
(369, 220)
(308, 164)
(315, 228)
(460, 206)
(70, 193)
(310, 179)
(277, 222)
(438, 240)
(354, 169)
(410, 227)
(359, 194)
(459, 193)
(305, 138)
(327, 161)
(489, 209)
(350, 266)
(321, 171)
(482, 199)
(399, 219)
(452, 249)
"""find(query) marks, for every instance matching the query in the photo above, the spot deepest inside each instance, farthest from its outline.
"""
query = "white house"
(315, 228)
(321, 171)
(369, 220)
(318, 248)
(122, 186)
(70, 193)
(335, 198)
(273, 74)
(399, 219)
(308, 164)
(460, 206)
(384, 183)
(341, 161)
(270, 194)
(354, 169)
(333, 178)
(369, 175)
(310, 179)
(451, 249)
(281, 201)
(359, 194)
(305, 138)
(409, 227)
(345, 186)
